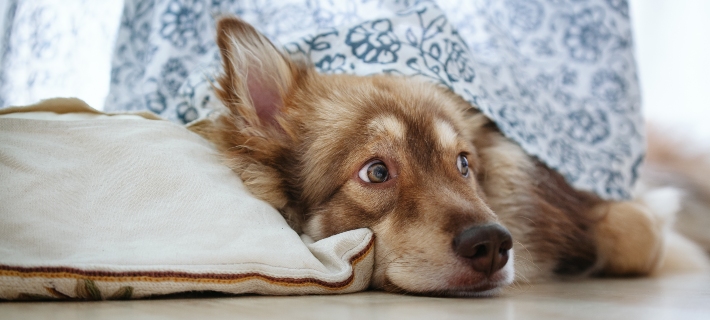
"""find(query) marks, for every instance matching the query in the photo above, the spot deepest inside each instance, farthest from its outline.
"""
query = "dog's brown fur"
(298, 139)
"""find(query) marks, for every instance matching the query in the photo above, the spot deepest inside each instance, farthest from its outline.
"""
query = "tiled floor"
(678, 297)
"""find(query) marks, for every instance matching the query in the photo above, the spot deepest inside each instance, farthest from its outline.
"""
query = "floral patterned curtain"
(56, 48)
(557, 76)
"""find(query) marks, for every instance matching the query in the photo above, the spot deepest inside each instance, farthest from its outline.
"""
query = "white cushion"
(100, 206)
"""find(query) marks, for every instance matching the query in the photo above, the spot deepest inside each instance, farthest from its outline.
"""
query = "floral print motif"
(586, 127)
(587, 35)
(179, 22)
(155, 102)
(569, 159)
(608, 86)
(374, 42)
(331, 64)
(186, 112)
(173, 75)
(612, 181)
(458, 66)
(525, 14)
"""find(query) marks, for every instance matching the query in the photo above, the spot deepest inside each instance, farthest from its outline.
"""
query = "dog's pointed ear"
(256, 74)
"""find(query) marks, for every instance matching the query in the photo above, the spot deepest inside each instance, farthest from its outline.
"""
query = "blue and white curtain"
(557, 76)
(51, 48)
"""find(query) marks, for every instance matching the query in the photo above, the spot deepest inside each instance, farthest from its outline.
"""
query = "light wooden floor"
(677, 298)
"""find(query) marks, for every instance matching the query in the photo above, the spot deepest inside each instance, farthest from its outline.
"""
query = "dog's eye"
(462, 164)
(374, 172)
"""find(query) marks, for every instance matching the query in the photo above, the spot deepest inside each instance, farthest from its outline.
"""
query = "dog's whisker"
(532, 222)
(520, 257)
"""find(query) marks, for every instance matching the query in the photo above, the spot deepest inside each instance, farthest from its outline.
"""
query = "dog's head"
(338, 152)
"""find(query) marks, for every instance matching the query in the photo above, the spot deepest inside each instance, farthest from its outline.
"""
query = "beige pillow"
(98, 206)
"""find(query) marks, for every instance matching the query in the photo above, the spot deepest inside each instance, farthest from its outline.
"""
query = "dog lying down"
(457, 209)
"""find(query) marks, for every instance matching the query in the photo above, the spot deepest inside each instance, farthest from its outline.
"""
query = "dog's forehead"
(417, 115)
(387, 125)
(446, 134)
(353, 112)
(438, 130)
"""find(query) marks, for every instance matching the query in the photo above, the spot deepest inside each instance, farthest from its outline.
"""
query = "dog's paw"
(630, 237)
(637, 237)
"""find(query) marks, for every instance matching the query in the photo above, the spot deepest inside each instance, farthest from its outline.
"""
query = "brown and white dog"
(456, 208)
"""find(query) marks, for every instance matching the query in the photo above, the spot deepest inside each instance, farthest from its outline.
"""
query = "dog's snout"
(485, 246)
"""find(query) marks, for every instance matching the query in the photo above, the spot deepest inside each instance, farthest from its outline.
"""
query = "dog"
(457, 209)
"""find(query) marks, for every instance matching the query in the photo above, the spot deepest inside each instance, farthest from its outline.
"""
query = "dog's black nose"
(485, 246)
